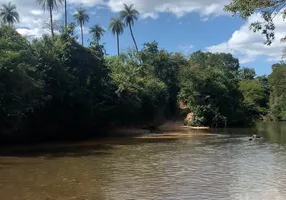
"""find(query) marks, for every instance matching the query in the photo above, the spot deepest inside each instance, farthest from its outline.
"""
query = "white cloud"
(204, 19)
(32, 17)
(31, 33)
(85, 30)
(150, 14)
(151, 8)
(248, 45)
(86, 3)
(36, 12)
(186, 49)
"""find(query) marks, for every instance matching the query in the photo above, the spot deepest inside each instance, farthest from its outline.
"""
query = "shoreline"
(168, 128)
(179, 126)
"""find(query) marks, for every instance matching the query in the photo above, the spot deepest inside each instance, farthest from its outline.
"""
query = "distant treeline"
(55, 86)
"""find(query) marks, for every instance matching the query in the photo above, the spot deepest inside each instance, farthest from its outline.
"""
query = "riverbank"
(169, 127)
(178, 126)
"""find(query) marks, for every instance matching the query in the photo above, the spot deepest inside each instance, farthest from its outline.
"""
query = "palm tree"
(97, 31)
(56, 25)
(81, 18)
(8, 14)
(50, 5)
(128, 15)
(117, 27)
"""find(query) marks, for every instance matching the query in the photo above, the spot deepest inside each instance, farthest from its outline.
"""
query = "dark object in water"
(254, 137)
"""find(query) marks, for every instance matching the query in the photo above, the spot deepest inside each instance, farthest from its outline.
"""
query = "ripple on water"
(208, 167)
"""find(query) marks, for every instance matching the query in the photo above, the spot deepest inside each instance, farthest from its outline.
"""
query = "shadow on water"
(9, 164)
(56, 151)
(88, 148)
(5, 163)
(272, 132)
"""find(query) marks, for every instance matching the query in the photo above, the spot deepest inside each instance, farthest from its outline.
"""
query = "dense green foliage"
(141, 96)
(21, 89)
(209, 86)
(254, 97)
(165, 67)
(58, 88)
(277, 85)
(268, 9)
(74, 78)
(71, 79)
(219, 93)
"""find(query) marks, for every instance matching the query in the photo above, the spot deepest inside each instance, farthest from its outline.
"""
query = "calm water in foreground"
(190, 167)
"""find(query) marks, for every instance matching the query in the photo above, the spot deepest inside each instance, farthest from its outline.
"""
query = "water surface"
(191, 167)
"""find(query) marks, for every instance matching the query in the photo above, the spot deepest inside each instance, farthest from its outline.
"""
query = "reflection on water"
(198, 167)
(273, 132)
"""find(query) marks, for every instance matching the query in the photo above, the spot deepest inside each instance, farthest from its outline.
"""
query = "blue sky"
(177, 25)
(187, 34)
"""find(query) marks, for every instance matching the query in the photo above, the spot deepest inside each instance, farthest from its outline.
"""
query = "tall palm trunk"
(66, 15)
(51, 18)
(81, 34)
(133, 37)
(117, 44)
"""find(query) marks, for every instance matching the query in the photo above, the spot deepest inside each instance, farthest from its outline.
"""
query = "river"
(213, 165)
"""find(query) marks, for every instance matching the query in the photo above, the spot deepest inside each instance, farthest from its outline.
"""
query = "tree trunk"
(81, 34)
(66, 15)
(117, 44)
(133, 37)
(51, 18)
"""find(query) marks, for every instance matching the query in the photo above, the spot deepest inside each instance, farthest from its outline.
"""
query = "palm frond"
(128, 15)
(81, 17)
(116, 26)
(9, 14)
(47, 4)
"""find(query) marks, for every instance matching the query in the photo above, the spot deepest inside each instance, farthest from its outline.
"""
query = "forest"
(55, 86)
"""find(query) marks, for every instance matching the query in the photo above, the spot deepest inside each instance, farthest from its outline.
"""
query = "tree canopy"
(277, 85)
(57, 87)
(269, 9)
(97, 32)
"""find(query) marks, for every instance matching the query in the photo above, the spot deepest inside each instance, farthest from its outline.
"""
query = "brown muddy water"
(191, 165)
